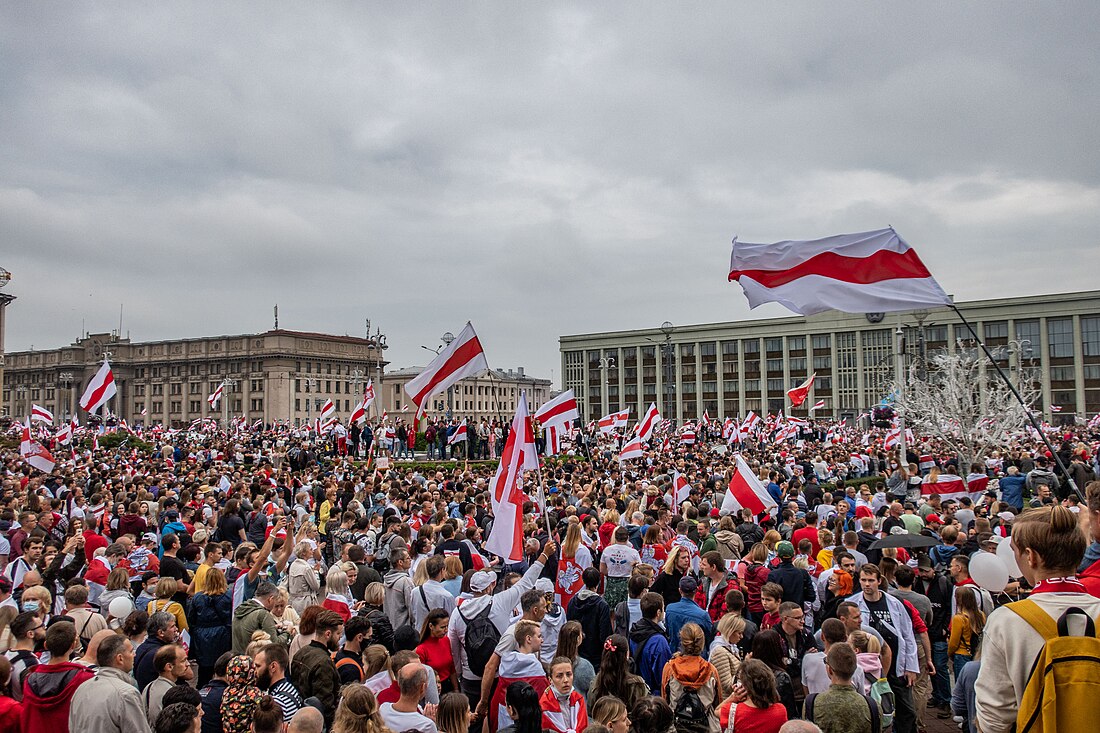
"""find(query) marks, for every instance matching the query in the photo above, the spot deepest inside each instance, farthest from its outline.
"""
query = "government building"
(730, 368)
(275, 375)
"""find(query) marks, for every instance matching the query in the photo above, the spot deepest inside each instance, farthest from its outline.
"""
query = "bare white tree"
(969, 408)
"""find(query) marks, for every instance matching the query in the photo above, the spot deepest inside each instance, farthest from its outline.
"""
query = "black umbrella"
(905, 540)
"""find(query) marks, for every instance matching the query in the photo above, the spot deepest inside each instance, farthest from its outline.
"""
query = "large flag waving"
(100, 389)
(507, 497)
(33, 452)
(559, 410)
(614, 420)
(746, 492)
(649, 422)
(459, 435)
(216, 396)
(799, 394)
(633, 448)
(866, 272)
(463, 358)
(41, 414)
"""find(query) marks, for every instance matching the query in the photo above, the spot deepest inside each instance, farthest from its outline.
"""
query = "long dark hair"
(767, 647)
(614, 669)
(525, 701)
(569, 640)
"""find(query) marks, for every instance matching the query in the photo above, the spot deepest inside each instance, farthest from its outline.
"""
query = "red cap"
(714, 512)
(863, 511)
(933, 519)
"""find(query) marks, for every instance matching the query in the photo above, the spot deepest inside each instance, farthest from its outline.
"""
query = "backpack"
(882, 697)
(690, 714)
(481, 639)
(382, 553)
(1063, 688)
(877, 723)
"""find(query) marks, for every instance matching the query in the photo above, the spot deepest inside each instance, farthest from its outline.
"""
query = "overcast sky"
(537, 168)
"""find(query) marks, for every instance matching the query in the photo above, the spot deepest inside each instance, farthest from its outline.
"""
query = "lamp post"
(227, 384)
(667, 328)
(607, 362)
(899, 371)
(310, 384)
(447, 338)
(379, 343)
(66, 380)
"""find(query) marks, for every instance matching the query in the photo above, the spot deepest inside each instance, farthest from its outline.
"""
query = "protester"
(109, 702)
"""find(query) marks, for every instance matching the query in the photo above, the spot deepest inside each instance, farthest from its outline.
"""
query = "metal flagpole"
(1030, 416)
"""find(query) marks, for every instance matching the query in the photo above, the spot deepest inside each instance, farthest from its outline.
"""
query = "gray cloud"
(539, 170)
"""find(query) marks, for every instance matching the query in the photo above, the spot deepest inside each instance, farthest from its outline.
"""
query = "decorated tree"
(968, 407)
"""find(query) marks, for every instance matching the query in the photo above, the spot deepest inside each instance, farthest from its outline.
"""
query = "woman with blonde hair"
(573, 559)
(453, 713)
(607, 529)
(210, 617)
(724, 653)
(610, 712)
(117, 586)
(166, 588)
(966, 628)
(303, 583)
(339, 597)
(452, 574)
(676, 567)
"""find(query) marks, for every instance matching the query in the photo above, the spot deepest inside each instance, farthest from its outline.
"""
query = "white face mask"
(30, 605)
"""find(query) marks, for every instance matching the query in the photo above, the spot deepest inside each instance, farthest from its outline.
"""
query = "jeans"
(941, 683)
(958, 661)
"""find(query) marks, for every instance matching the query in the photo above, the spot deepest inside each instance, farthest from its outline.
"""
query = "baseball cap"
(482, 580)
(544, 585)
(688, 585)
(933, 519)
(149, 537)
(714, 512)
(784, 549)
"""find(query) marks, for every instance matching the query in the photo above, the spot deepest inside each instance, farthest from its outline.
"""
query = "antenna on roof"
(276, 316)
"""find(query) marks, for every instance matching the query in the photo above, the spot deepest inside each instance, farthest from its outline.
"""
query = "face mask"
(30, 605)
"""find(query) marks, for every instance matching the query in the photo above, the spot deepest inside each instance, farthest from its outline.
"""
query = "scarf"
(1068, 584)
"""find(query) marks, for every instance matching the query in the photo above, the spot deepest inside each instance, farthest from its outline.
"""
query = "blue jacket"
(210, 620)
(651, 652)
(682, 612)
(1012, 491)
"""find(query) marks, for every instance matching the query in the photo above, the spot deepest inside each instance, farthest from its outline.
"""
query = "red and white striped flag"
(144, 412)
(359, 414)
(893, 437)
(746, 492)
(99, 390)
(798, 395)
(553, 438)
(328, 411)
(633, 448)
(463, 358)
(216, 396)
(614, 420)
(559, 410)
(41, 414)
(507, 497)
(368, 395)
(680, 491)
(818, 405)
(704, 421)
(649, 422)
(64, 434)
(459, 435)
(33, 453)
(866, 272)
(752, 421)
(950, 486)
(687, 435)
(1055, 408)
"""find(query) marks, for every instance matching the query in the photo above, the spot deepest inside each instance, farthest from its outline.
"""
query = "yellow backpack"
(1063, 688)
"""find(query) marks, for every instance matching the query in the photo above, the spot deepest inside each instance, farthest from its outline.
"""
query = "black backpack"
(481, 639)
(691, 715)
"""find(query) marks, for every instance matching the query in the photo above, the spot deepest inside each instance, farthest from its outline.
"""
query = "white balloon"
(121, 607)
(988, 571)
(1008, 557)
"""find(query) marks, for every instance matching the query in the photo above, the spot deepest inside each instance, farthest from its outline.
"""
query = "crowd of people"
(271, 580)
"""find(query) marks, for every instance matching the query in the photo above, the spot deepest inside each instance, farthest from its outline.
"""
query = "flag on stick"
(459, 435)
(746, 492)
(506, 536)
(41, 414)
(463, 358)
(216, 396)
(613, 421)
(99, 390)
(559, 410)
(33, 452)
(798, 394)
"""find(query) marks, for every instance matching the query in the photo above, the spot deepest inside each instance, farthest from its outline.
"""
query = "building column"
(1044, 355)
(1078, 367)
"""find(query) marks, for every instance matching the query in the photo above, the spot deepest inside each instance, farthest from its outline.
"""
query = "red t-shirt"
(748, 719)
(807, 533)
(390, 694)
(436, 653)
(770, 620)
(93, 542)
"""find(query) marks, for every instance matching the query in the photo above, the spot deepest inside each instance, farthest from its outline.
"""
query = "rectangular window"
(823, 362)
(729, 348)
(996, 330)
(750, 346)
(1090, 335)
(775, 385)
(775, 366)
(1060, 336)
(729, 386)
(752, 385)
(798, 364)
(196, 406)
(707, 348)
(821, 341)
(796, 343)
(257, 405)
(773, 345)
(1027, 333)
(1061, 374)
(687, 350)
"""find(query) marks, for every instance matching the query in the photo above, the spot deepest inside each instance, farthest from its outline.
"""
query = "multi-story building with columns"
(275, 375)
(731, 368)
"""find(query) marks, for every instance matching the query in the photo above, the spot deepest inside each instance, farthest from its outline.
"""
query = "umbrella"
(905, 540)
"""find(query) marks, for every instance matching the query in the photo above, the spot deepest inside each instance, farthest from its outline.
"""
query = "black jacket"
(797, 586)
(594, 616)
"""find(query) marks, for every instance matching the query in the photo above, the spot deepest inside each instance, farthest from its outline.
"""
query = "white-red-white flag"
(633, 448)
(560, 410)
(950, 486)
(704, 421)
(752, 421)
(33, 453)
(328, 411)
(216, 396)
(818, 405)
(687, 435)
(865, 272)
(41, 414)
(680, 491)
(649, 422)
(359, 414)
(459, 435)
(798, 395)
(463, 358)
(746, 492)
(144, 412)
(1055, 408)
(99, 390)
(368, 395)
(506, 496)
(613, 421)
(64, 434)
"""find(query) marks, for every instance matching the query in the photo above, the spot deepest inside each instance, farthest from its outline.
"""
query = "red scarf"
(1068, 584)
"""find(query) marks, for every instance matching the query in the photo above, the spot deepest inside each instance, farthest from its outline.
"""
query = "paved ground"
(938, 725)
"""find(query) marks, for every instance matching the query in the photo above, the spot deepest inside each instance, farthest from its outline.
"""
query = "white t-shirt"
(620, 559)
(396, 720)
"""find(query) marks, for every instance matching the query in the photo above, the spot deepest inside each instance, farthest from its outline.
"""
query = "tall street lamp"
(607, 362)
(66, 380)
(667, 328)
(378, 342)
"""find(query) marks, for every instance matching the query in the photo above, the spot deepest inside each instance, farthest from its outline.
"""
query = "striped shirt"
(288, 697)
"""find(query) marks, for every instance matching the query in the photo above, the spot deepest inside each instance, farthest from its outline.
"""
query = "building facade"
(491, 396)
(275, 375)
(730, 368)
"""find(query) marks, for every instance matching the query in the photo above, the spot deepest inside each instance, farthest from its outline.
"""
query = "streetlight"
(667, 328)
(379, 342)
(310, 385)
(447, 338)
(607, 362)
(66, 380)
(227, 384)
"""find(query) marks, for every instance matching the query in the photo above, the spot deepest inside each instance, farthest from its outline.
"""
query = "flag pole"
(1030, 415)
